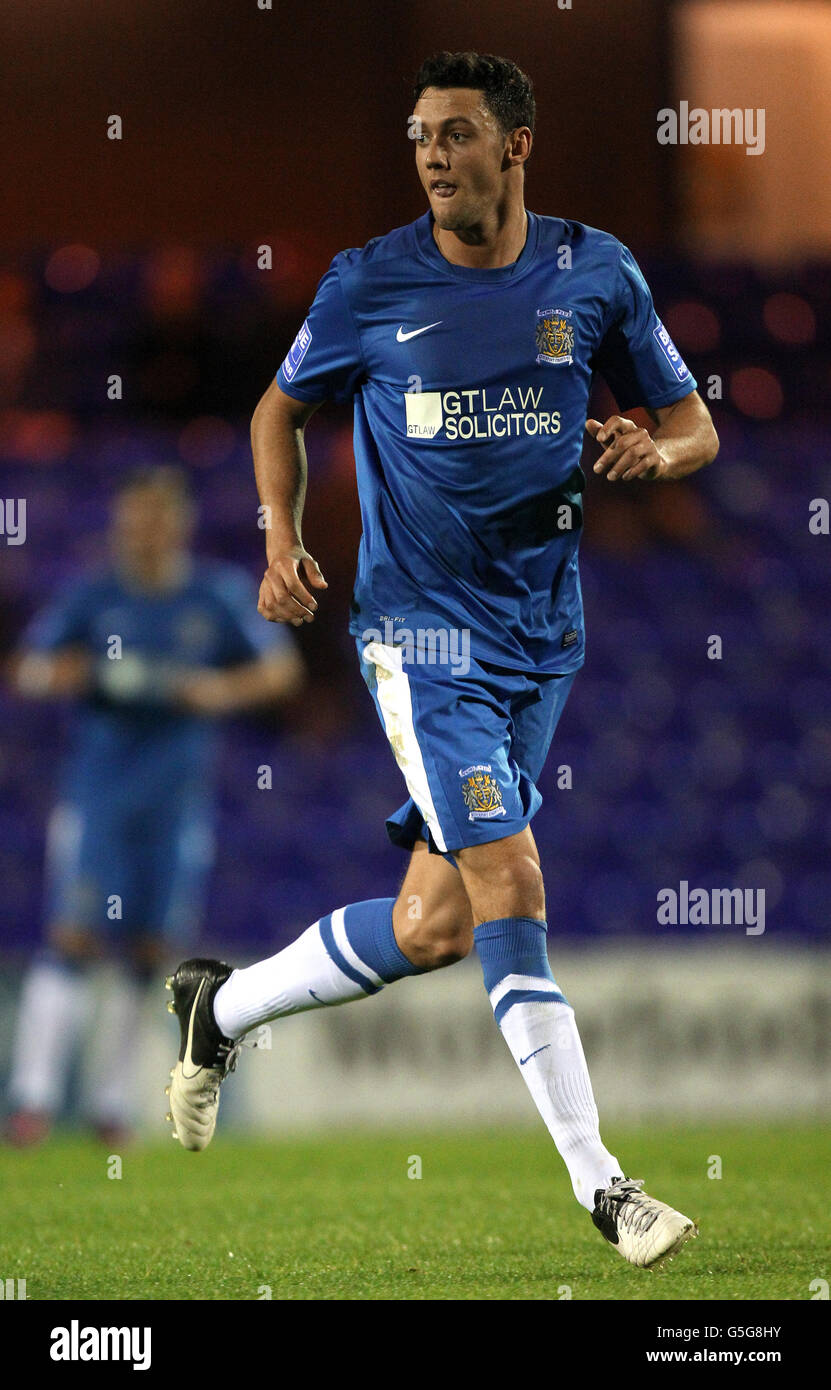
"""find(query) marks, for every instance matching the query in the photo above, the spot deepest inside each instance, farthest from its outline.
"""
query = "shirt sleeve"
(247, 636)
(64, 623)
(325, 361)
(636, 356)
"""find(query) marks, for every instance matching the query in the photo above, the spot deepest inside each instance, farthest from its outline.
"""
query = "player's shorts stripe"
(348, 951)
(395, 701)
(328, 939)
(527, 996)
(515, 982)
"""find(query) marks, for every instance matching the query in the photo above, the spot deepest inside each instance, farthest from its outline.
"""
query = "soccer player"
(153, 649)
(467, 341)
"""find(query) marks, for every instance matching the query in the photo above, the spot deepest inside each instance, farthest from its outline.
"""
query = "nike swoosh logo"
(523, 1060)
(401, 336)
(187, 1057)
(317, 997)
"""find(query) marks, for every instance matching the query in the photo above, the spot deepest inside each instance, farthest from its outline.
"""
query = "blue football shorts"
(123, 871)
(470, 746)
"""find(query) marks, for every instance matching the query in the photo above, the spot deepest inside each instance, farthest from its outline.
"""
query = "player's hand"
(204, 692)
(284, 595)
(630, 452)
(66, 674)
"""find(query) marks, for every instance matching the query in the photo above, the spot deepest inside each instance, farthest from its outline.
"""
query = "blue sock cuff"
(512, 946)
(370, 933)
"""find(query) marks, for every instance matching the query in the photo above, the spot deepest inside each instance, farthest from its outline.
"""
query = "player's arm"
(63, 674)
(277, 428)
(266, 681)
(684, 441)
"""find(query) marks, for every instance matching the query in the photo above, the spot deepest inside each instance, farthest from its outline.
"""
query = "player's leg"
(168, 850)
(52, 1014)
(353, 952)
(112, 1061)
(54, 1001)
(432, 915)
(505, 887)
(504, 883)
(148, 847)
(349, 954)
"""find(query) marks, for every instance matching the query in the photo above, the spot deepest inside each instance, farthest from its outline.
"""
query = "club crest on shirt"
(481, 793)
(555, 336)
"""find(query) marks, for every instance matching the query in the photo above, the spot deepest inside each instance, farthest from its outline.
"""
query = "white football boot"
(642, 1230)
(205, 1056)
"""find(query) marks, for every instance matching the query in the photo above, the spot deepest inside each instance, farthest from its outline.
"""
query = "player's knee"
(436, 939)
(529, 880)
(74, 944)
(451, 947)
(505, 886)
(444, 950)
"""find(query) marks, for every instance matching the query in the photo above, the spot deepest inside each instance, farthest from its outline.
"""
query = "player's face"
(149, 525)
(460, 153)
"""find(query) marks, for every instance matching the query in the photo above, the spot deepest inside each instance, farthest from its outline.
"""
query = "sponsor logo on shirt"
(670, 351)
(479, 413)
(555, 336)
(297, 351)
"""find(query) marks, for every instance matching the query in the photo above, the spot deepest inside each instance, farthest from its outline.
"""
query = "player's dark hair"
(508, 91)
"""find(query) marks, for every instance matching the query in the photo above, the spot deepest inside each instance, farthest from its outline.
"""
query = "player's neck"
(485, 247)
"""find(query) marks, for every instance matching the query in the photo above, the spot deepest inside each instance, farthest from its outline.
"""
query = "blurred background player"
(153, 648)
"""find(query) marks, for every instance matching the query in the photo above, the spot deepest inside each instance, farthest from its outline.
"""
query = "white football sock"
(51, 1017)
(110, 1080)
(305, 975)
(546, 1047)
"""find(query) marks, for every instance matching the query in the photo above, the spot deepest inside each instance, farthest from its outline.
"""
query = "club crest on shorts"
(482, 794)
(555, 336)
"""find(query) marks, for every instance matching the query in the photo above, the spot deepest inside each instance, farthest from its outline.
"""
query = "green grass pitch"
(492, 1217)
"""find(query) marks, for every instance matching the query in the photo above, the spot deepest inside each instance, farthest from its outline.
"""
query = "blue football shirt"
(129, 739)
(470, 392)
